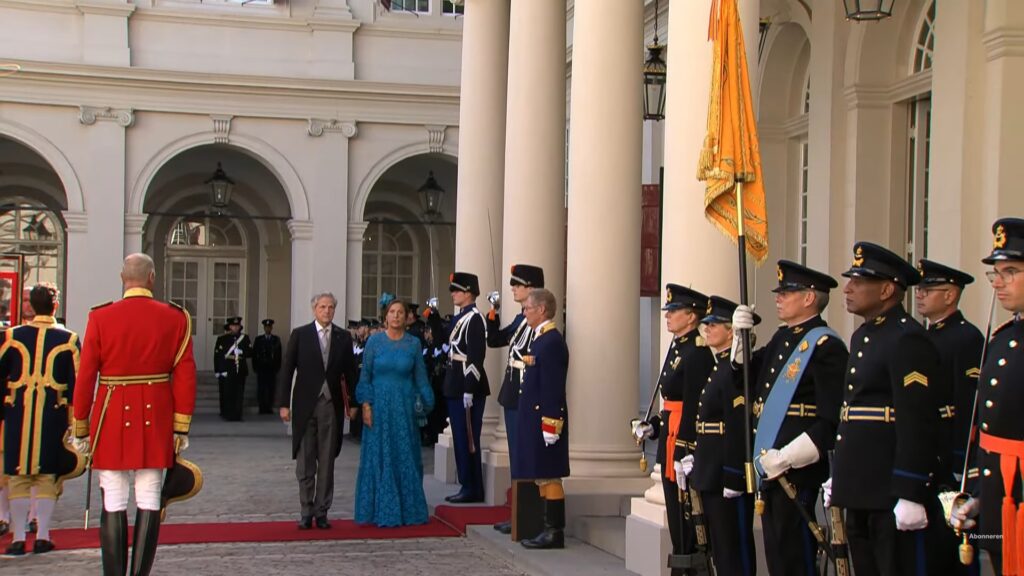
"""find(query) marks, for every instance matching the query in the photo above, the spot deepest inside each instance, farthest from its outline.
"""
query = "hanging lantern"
(655, 74)
(431, 195)
(220, 188)
(867, 10)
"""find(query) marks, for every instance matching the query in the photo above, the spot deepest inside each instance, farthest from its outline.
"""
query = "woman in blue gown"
(389, 489)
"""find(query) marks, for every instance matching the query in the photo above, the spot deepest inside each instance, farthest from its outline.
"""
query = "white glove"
(727, 493)
(962, 517)
(467, 400)
(81, 445)
(221, 374)
(910, 515)
(743, 318)
(800, 452)
(680, 474)
(687, 464)
(736, 352)
(237, 352)
(826, 491)
(180, 443)
(550, 438)
(643, 431)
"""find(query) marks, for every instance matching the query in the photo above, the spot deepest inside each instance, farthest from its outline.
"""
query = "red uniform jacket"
(141, 351)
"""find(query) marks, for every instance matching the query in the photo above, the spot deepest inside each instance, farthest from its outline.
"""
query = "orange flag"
(731, 153)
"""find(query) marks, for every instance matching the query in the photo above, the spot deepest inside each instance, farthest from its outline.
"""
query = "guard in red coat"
(140, 349)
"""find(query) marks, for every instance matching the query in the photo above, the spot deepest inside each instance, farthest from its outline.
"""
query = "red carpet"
(458, 517)
(71, 538)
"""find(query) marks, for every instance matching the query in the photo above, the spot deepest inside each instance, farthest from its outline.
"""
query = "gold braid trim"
(182, 423)
(188, 335)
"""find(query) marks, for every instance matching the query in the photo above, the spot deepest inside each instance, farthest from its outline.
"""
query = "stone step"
(606, 533)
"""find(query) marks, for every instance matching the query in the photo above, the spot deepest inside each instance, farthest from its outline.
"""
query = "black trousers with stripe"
(731, 529)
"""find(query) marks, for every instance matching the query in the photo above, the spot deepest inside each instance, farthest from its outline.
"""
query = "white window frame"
(403, 9)
(804, 197)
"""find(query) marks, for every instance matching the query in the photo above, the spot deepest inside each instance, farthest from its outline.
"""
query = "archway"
(220, 261)
(405, 252)
(31, 221)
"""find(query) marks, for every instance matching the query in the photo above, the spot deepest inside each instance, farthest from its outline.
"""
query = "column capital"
(317, 127)
(77, 222)
(356, 231)
(134, 223)
(300, 229)
(88, 115)
(106, 7)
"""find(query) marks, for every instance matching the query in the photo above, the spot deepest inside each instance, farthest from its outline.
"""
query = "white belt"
(459, 357)
(517, 364)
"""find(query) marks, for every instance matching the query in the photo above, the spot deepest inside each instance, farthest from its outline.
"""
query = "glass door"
(212, 290)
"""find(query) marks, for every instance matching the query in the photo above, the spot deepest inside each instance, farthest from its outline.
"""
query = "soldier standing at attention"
(891, 436)
(1000, 397)
(141, 351)
(796, 401)
(266, 361)
(687, 366)
(229, 362)
(517, 336)
(38, 362)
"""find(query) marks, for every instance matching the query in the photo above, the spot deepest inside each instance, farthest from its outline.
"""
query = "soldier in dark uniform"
(517, 336)
(797, 396)
(229, 362)
(542, 427)
(266, 361)
(38, 364)
(716, 467)
(891, 439)
(1000, 397)
(465, 385)
(362, 333)
(687, 366)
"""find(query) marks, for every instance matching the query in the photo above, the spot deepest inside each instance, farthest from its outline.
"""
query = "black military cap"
(934, 273)
(678, 297)
(464, 282)
(873, 261)
(181, 482)
(1008, 240)
(527, 275)
(234, 320)
(352, 324)
(793, 277)
(413, 307)
(227, 326)
(720, 311)
(267, 322)
(366, 322)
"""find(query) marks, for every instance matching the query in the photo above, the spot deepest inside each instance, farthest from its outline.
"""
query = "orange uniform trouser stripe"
(675, 417)
(1011, 457)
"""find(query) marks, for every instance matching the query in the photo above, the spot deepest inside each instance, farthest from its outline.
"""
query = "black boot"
(114, 542)
(147, 530)
(554, 524)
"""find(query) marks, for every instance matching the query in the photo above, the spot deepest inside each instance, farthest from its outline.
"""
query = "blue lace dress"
(389, 489)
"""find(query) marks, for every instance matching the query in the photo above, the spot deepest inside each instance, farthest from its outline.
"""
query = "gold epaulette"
(101, 305)
(699, 341)
(175, 304)
(554, 424)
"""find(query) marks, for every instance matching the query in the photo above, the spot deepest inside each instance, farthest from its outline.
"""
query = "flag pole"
(741, 242)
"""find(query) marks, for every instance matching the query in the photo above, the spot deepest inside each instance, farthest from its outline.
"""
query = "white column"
(534, 202)
(604, 240)
(694, 252)
(133, 227)
(482, 171)
(302, 270)
(328, 186)
(80, 295)
(354, 289)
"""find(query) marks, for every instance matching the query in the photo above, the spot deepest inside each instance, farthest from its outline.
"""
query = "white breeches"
(148, 483)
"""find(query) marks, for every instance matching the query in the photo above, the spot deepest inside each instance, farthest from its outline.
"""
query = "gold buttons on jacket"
(1013, 343)
(127, 408)
(1002, 362)
(994, 381)
(986, 472)
(984, 426)
(989, 403)
(147, 422)
(127, 424)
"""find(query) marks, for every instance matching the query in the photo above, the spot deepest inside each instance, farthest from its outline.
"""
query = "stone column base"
(444, 459)
(497, 479)
(647, 539)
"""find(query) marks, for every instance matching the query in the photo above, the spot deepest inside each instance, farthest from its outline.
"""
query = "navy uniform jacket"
(467, 338)
(517, 336)
(222, 364)
(959, 343)
(266, 353)
(721, 446)
(1000, 398)
(543, 402)
(819, 392)
(687, 366)
(38, 365)
(893, 364)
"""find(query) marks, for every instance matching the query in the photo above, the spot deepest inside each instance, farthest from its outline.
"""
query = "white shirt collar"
(536, 331)
(320, 328)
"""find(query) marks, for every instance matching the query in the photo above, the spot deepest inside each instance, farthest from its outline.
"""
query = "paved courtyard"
(249, 476)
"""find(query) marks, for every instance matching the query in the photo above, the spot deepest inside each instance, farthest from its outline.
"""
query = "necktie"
(325, 343)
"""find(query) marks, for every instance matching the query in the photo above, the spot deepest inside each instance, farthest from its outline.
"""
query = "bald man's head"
(138, 272)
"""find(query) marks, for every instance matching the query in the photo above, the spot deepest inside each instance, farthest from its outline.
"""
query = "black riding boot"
(147, 530)
(114, 542)
(553, 535)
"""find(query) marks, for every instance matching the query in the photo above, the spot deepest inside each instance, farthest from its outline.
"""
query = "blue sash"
(781, 394)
